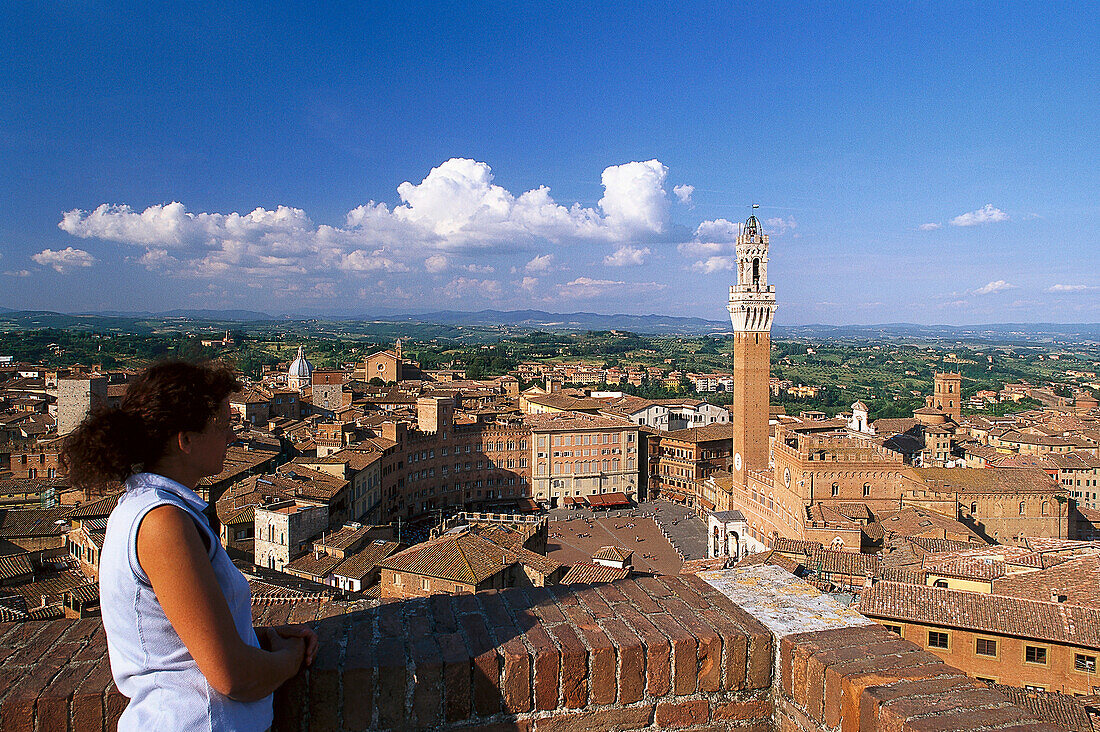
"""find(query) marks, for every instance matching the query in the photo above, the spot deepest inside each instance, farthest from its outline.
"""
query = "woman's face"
(208, 447)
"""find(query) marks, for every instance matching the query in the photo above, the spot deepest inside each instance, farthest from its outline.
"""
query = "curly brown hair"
(162, 401)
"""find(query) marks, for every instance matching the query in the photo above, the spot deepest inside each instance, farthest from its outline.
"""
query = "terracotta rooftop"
(358, 565)
(987, 480)
(464, 558)
(1054, 622)
(590, 574)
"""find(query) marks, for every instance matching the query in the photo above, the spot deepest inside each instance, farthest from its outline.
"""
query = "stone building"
(76, 396)
(284, 529)
(299, 375)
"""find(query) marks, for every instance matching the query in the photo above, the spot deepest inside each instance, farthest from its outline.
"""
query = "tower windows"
(756, 271)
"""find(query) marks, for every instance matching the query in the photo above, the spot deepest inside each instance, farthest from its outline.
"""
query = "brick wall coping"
(781, 601)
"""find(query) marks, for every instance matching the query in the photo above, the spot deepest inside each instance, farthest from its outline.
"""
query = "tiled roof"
(358, 565)
(1048, 621)
(833, 561)
(612, 553)
(313, 564)
(246, 515)
(706, 433)
(15, 565)
(95, 509)
(1077, 578)
(344, 537)
(1066, 711)
(464, 558)
(587, 573)
(987, 480)
(795, 546)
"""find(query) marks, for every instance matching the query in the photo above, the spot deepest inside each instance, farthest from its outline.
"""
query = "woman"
(176, 611)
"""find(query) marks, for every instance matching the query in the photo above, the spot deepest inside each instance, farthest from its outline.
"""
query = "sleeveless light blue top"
(149, 662)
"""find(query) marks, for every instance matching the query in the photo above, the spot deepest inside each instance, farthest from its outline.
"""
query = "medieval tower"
(751, 307)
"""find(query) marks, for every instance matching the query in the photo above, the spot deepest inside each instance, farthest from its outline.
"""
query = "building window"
(866, 490)
(1081, 662)
(937, 639)
(836, 489)
(940, 583)
(425, 584)
(1035, 654)
(893, 628)
(1022, 511)
(985, 647)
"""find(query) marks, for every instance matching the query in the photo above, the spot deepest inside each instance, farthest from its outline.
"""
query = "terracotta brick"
(574, 666)
(893, 715)
(601, 719)
(115, 704)
(443, 614)
(844, 683)
(542, 602)
(639, 598)
(290, 705)
(391, 681)
(596, 606)
(359, 674)
(456, 676)
(516, 680)
(484, 670)
(427, 701)
(391, 620)
(681, 588)
(38, 646)
(564, 595)
(545, 666)
(53, 703)
(685, 668)
(631, 661)
(874, 697)
(601, 654)
(810, 693)
(678, 715)
(654, 588)
(746, 709)
(971, 719)
(87, 711)
(735, 648)
(658, 665)
(276, 614)
(324, 677)
(516, 725)
(610, 593)
(709, 648)
(17, 709)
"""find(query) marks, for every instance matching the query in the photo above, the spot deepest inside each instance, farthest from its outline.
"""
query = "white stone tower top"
(752, 299)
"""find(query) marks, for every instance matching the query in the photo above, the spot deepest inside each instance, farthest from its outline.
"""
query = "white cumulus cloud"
(684, 193)
(64, 260)
(627, 256)
(779, 225)
(541, 263)
(994, 287)
(18, 273)
(634, 200)
(930, 226)
(1067, 288)
(987, 214)
(466, 287)
(710, 265)
(585, 287)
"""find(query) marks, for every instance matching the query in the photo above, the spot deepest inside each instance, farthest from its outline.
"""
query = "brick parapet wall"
(648, 653)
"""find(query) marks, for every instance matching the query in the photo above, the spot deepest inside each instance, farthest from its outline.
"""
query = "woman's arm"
(172, 555)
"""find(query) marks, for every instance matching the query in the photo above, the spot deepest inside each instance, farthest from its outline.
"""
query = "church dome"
(859, 406)
(300, 368)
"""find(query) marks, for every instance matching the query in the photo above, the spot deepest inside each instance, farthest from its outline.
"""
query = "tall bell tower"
(751, 307)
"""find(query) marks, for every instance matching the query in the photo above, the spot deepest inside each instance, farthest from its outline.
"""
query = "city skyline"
(936, 166)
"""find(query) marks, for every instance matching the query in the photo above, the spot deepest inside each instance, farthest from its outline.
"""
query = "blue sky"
(930, 163)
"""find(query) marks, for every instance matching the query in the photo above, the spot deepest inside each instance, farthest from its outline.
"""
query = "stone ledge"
(642, 654)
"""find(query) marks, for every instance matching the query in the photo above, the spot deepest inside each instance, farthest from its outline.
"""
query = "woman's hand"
(269, 637)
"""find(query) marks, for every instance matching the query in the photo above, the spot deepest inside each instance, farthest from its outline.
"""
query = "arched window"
(756, 271)
(1045, 508)
(836, 489)
(940, 583)
(866, 490)
(974, 507)
(1022, 511)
